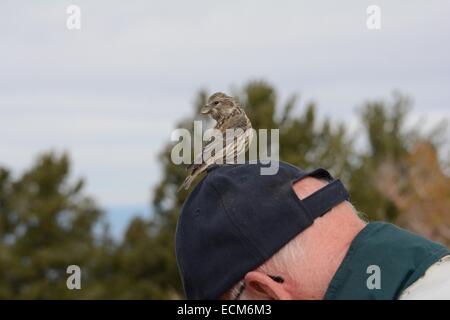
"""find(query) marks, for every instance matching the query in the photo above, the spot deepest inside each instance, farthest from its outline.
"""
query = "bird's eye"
(216, 103)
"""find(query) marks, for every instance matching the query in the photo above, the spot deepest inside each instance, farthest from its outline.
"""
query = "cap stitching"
(261, 253)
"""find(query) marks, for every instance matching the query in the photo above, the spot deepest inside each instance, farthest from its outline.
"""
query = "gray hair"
(280, 263)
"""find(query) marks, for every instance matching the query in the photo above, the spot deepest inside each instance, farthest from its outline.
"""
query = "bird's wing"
(238, 122)
(224, 145)
(229, 148)
(213, 144)
(241, 144)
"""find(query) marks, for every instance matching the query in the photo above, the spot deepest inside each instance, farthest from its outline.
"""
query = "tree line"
(394, 171)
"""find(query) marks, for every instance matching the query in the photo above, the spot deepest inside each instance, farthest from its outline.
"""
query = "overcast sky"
(110, 93)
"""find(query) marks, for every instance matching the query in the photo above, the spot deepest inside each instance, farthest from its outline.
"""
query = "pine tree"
(46, 224)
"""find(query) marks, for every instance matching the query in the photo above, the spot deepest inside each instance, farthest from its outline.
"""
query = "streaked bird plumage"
(228, 114)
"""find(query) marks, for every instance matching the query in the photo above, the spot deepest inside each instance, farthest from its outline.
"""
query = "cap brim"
(320, 173)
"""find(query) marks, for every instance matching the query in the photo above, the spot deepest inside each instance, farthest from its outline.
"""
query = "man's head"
(322, 245)
(246, 236)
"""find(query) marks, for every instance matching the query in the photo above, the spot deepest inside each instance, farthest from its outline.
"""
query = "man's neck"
(326, 243)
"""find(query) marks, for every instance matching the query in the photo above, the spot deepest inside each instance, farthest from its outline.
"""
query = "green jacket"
(398, 256)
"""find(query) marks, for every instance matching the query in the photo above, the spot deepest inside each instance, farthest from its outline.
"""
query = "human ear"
(260, 286)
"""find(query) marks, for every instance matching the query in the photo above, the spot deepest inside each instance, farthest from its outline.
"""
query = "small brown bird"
(228, 114)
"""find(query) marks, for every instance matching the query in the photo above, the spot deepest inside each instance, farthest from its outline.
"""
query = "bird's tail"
(186, 183)
(191, 177)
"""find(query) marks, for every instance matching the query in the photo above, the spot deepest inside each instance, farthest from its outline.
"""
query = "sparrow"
(229, 114)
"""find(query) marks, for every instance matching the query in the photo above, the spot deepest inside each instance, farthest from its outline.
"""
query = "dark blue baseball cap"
(236, 218)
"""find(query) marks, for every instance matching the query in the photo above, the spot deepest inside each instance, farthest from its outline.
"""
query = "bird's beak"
(206, 109)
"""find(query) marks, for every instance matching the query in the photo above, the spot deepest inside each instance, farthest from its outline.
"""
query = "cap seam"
(248, 238)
